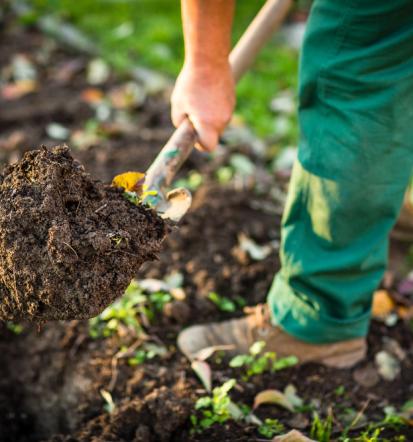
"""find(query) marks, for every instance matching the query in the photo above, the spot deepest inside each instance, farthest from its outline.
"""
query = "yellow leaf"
(272, 397)
(383, 304)
(130, 181)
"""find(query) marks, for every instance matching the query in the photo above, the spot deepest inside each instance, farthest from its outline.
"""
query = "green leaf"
(203, 402)
(257, 348)
(286, 362)
(238, 361)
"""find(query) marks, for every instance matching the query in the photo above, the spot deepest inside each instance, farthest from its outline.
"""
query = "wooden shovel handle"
(182, 141)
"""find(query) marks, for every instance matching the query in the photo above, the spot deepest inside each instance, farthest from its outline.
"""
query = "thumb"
(207, 136)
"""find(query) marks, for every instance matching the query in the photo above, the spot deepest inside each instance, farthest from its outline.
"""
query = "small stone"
(366, 376)
(177, 310)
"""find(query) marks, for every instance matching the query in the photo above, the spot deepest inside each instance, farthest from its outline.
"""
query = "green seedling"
(222, 302)
(17, 329)
(258, 362)
(129, 311)
(340, 390)
(321, 429)
(214, 409)
(192, 182)
(270, 428)
(148, 352)
(373, 435)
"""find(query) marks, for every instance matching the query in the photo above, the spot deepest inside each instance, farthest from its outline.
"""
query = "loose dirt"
(69, 245)
(51, 377)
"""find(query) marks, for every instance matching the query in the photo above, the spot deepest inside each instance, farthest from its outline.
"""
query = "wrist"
(205, 66)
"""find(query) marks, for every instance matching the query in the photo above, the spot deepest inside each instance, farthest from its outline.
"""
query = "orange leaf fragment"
(383, 304)
(405, 312)
(13, 91)
(130, 181)
(92, 95)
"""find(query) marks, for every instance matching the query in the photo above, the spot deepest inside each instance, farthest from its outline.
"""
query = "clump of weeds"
(129, 313)
(257, 361)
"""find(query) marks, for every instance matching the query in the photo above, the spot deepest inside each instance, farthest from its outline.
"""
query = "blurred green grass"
(148, 33)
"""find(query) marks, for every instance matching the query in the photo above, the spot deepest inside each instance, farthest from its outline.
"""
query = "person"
(354, 163)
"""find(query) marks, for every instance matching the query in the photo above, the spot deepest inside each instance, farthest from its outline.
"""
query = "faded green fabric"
(354, 163)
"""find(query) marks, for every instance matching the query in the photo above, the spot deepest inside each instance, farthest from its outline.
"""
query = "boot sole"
(344, 360)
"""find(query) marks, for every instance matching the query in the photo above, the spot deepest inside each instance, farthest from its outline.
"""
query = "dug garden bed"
(121, 377)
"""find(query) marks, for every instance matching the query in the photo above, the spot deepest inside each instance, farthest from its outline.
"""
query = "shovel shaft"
(182, 141)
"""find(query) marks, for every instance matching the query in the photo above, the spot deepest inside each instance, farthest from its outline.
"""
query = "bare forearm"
(207, 28)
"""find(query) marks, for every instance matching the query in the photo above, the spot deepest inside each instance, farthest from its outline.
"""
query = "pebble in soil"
(69, 245)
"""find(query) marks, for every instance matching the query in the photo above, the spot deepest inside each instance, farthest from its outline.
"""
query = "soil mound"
(69, 245)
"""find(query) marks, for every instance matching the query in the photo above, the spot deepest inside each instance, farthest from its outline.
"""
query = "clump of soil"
(69, 245)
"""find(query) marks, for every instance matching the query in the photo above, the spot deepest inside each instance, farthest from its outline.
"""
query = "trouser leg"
(355, 159)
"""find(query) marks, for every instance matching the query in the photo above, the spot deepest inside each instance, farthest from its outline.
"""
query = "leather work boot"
(239, 334)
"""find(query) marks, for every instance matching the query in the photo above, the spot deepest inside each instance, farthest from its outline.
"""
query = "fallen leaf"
(130, 181)
(203, 371)
(207, 352)
(290, 393)
(293, 436)
(110, 405)
(152, 285)
(20, 88)
(57, 131)
(383, 304)
(275, 397)
(387, 365)
(23, 69)
(97, 72)
(254, 250)
(92, 95)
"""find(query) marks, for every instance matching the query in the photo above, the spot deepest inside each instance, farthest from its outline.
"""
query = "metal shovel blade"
(178, 201)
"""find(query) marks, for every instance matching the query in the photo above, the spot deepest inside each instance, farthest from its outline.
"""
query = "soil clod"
(69, 245)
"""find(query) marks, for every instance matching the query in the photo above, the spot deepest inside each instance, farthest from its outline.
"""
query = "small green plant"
(270, 428)
(215, 408)
(191, 182)
(127, 312)
(17, 329)
(258, 362)
(148, 352)
(149, 196)
(321, 429)
(222, 302)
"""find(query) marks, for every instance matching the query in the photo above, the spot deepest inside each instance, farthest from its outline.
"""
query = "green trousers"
(354, 163)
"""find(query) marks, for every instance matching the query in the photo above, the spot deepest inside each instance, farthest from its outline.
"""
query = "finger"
(177, 115)
(207, 136)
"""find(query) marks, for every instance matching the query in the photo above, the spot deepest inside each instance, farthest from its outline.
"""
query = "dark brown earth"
(69, 245)
(51, 377)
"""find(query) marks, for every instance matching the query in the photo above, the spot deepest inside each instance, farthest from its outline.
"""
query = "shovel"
(160, 174)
